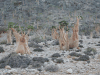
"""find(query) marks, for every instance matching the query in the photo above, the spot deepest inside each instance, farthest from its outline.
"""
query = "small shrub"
(3, 42)
(30, 27)
(52, 68)
(90, 51)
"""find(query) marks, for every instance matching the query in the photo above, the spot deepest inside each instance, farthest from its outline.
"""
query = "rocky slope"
(46, 13)
(48, 59)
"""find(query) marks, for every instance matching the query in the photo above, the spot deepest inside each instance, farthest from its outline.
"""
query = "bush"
(3, 29)
(3, 42)
(52, 68)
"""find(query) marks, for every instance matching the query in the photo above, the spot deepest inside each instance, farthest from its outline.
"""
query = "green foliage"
(22, 26)
(10, 24)
(16, 26)
(63, 23)
(25, 29)
(30, 27)
(2, 29)
(18, 29)
(80, 17)
(53, 27)
(6, 29)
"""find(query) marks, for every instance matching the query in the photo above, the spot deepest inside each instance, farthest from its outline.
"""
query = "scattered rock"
(8, 67)
(52, 68)
(75, 54)
(88, 37)
(36, 64)
(56, 55)
(69, 71)
(81, 46)
(38, 40)
(54, 58)
(38, 50)
(95, 36)
(59, 60)
(62, 54)
(1, 49)
(78, 50)
(90, 51)
(15, 61)
(41, 59)
(32, 44)
(39, 69)
(82, 58)
(88, 61)
(81, 41)
(97, 45)
(56, 42)
(8, 44)
(14, 40)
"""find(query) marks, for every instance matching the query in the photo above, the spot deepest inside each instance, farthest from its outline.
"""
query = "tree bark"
(9, 39)
(22, 43)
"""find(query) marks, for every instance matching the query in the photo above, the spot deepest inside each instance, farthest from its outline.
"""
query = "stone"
(83, 58)
(36, 64)
(56, 42)
(39, 69)
(81, 41)
(34, 45)
(81, 46)
(1, 49)
(95, 36)
(88, 61)
(78, 50)
(97, 45)
(41, 59)
(38, 50)
(75, 54)
(56, 55)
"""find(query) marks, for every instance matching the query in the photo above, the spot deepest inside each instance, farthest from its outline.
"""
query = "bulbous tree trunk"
(22, 42)
(55, 35)
(9, 38)
(74, 40)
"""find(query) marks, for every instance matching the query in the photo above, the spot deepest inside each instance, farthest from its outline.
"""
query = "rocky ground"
(46, 58)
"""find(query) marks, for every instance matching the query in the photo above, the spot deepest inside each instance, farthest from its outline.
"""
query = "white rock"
(12, 71)
(49, 42)
(42, 43)
(69, 71)
(7, 67)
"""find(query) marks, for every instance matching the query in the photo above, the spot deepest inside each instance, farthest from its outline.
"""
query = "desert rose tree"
(9, 38)
(22, 42)
(63, 37)
(74, 40)
(55, 35)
